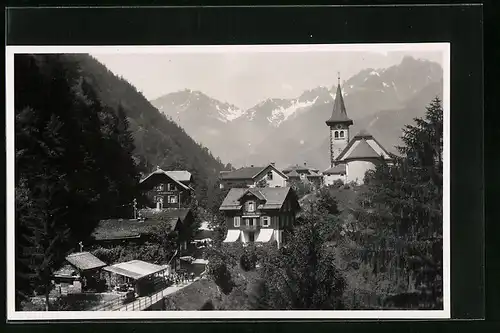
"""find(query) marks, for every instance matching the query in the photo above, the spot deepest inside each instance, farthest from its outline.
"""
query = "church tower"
(339, 126)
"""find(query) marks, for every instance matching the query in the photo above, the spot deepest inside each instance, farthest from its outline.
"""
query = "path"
(144, 302)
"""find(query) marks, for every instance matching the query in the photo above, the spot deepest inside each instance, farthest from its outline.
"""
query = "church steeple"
(339, 124)
(339, 113)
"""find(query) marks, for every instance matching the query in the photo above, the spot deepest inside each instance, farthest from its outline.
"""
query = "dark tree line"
(74, 165)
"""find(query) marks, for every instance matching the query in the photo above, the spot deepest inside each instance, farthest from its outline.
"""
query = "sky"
(246, 78)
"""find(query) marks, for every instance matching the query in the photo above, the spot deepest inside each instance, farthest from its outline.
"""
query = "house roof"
(170, 175)
(135, 269)
(274, 197)
(180, 175)
(339, 113)
(85, 261)
(254, 191)
(127, 229)
(293, 174)
(247, 173)
(172, 213)
(338, 169)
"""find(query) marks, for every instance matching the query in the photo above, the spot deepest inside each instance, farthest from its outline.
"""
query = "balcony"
(244, 227)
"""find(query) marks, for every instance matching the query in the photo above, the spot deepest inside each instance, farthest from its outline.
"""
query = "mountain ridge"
(279, 120)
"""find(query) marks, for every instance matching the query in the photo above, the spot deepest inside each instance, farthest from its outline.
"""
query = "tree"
(406, 199)
(303, 275)
(65, 139)
(327, 203)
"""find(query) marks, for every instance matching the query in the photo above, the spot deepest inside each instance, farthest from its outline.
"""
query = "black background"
(460, 25)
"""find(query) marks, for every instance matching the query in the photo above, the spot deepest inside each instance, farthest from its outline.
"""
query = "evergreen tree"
(406, 199)
(65, 141)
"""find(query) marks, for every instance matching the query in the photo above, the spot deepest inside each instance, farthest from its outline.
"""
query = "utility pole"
(81, 246)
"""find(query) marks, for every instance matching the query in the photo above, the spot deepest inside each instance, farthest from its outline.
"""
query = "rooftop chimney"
(273, 163)
(251, 165)
(305, 164)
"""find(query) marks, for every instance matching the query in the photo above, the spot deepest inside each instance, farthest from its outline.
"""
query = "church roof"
(363, 145)
(362, 150)
(339, 113)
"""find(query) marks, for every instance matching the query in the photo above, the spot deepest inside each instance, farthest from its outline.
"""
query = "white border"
(13, 315)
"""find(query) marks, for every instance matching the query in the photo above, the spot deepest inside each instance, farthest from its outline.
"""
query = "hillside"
(158, 140)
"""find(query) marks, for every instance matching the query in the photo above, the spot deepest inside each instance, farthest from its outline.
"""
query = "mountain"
(366, 94)
(271, 129)
(158, 140)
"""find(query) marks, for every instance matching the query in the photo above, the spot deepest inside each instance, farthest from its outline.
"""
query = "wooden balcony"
(250, 227)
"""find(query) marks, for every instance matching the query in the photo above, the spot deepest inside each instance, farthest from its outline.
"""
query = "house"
(263, 176)
(350, 158)
(82, 271)
(167, 189)
(259, 214)
(303, 173)
(110, 233)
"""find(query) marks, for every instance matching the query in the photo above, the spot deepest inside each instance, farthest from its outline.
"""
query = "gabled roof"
(339, 113)
(166, 213)
(180, 175)
(253, 191)
(242, 173)
(338, 169)
(248, 173)
(169, 175)
(293, 174)
(85, 261)
(366, 150)
(274, 197)
(362, 150)
(127, 229)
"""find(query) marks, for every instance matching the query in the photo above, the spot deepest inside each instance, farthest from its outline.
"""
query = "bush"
(338, 183)
(208, 306)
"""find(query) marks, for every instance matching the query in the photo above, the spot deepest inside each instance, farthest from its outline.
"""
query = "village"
(260, 207)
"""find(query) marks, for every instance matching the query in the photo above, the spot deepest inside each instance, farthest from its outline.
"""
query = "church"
(350, 158)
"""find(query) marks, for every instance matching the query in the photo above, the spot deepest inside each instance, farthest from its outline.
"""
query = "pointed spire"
(339, 113)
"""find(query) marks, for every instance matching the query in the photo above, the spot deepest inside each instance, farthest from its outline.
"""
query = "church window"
(336, 134)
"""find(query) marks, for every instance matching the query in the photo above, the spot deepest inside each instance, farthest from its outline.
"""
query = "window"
(266, 221)
(237, 221)
(170, 187)
(341, 134)
(172, 199)
(160, 187)
(336, 134)
(270, 175)
(251, 206)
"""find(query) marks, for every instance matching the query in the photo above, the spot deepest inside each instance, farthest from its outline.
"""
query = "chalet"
(110, 233)
(259, 214)
(263, 176)
(297, 173)
(167, 189)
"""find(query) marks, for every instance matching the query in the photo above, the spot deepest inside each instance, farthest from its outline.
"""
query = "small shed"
(82, 267)
(144, 276)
